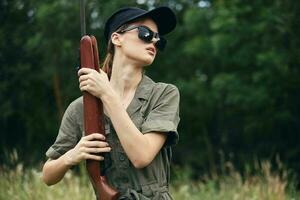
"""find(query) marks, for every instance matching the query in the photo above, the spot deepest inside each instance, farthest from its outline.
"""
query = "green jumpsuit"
(154, 108)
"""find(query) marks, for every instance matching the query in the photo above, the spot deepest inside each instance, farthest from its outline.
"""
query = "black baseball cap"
(163, 16)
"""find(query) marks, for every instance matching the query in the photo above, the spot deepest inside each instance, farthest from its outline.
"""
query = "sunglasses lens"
(145, 34)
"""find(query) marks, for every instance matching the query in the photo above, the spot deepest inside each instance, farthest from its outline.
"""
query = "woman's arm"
(140, 148)
(55, 170)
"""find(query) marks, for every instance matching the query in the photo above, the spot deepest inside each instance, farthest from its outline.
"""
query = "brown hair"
(110, 52)
(108, 61)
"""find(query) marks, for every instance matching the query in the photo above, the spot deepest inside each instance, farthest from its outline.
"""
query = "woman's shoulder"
(162, 87)
(157, 93)
(75, 107)
(78, 102)
(166, 87)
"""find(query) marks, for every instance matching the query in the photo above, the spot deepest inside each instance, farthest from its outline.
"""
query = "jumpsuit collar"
(142, 93)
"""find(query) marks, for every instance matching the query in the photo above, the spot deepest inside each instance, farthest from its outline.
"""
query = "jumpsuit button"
(122, 157)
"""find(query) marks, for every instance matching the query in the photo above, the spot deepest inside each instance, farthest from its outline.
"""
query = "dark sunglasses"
(146, 34)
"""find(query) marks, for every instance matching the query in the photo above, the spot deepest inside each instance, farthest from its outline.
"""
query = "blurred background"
(236, 64)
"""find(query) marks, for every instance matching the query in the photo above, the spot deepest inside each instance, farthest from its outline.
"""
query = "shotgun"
(93, 113)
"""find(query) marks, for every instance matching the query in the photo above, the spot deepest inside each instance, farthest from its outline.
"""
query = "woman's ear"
(116, 39)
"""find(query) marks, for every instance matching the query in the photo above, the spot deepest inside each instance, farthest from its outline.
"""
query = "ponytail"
(108, 61)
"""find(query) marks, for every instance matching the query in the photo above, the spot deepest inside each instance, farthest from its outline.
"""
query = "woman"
(141, 115)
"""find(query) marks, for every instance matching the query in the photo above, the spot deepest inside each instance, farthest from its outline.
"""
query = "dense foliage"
(236, 64)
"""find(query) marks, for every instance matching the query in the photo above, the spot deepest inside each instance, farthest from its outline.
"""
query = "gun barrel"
(94, 119)
(82, 17)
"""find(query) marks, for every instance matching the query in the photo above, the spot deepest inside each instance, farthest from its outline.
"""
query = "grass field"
(26, 184)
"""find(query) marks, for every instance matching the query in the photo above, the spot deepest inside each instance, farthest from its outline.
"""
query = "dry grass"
(264, 185)
(20, 184)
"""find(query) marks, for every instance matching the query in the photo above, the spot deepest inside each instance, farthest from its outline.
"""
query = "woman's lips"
(151, 50)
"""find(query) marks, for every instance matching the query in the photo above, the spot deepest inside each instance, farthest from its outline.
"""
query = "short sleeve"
(68, 135)
(164, 116)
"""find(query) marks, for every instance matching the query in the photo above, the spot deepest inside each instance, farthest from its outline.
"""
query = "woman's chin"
(144, 60)
(148, 60)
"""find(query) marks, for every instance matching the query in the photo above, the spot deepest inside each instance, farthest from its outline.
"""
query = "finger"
(84, 87)
(98, 136)
(83, 78)
(84, 70)
(94, 136)
(83, 83)
(86, 82)
(104, 150)
(93, 157)
(81, 71)
(96, 143)
(98, 150)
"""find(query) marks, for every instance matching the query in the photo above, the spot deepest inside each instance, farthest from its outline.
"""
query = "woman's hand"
(86, 148)
(93, 82)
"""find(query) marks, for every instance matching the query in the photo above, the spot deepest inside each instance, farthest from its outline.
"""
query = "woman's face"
(136, 50)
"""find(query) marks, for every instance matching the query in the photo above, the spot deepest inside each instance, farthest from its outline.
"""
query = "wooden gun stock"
(94, 119)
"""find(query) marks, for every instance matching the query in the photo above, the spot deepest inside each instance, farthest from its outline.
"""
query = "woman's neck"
(125, 78)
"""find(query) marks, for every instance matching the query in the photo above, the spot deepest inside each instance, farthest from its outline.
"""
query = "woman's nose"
(154, 40)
